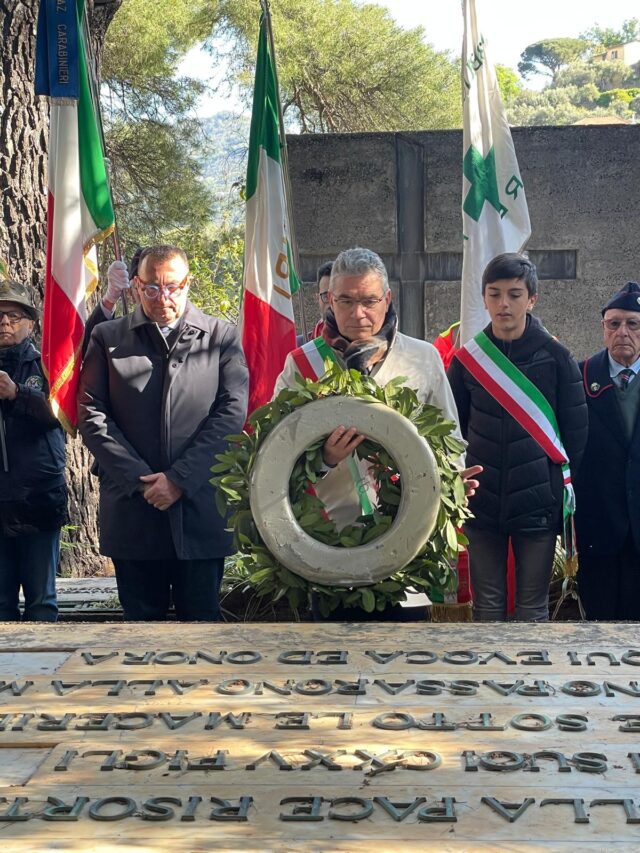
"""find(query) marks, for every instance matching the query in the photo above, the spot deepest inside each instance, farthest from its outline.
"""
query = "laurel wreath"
(430, 571)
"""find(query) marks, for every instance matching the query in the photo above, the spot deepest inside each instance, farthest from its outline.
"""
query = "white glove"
(118, 280)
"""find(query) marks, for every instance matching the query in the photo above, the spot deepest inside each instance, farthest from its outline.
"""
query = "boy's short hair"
(511, 265)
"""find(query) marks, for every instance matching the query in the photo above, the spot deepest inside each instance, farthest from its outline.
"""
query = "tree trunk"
(23, 197)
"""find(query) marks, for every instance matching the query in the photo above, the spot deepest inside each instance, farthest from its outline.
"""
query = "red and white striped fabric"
(80, 213)
(268, 324)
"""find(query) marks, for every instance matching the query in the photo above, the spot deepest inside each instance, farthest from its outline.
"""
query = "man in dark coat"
(608, 482)
(159, 391)
(520, 498)
(33, 495)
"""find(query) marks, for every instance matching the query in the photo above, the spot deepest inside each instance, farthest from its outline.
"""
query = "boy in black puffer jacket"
(522, 410)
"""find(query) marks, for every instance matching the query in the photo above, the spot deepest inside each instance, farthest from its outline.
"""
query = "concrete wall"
(400, 195)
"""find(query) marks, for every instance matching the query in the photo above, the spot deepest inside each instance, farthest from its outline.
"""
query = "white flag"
(495, 217)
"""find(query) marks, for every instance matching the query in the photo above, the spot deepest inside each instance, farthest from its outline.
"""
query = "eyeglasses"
(324, 297)
(368, 303)
(152, 290)
(13, 317)
(632, 325)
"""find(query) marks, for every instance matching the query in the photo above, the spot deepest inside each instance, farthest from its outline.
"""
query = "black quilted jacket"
(33, 495)
(521, 490)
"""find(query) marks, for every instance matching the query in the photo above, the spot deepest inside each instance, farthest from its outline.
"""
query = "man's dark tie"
(625, 376)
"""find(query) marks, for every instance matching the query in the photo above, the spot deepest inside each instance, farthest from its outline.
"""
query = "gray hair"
(358, 261)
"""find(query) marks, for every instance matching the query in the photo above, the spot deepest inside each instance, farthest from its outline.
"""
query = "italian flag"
(268, 325)
(495, 216)
(79, 214)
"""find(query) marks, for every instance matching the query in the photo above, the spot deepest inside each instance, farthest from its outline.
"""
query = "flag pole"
(95, 97)
(285, 164)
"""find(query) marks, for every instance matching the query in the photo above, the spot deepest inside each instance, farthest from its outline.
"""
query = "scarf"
(11, 357)
(361, 355)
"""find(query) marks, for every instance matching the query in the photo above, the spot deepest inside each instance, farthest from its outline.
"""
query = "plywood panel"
(388, 817)
(381, 702)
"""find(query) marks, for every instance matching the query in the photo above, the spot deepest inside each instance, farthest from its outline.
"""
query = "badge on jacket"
(35, 382)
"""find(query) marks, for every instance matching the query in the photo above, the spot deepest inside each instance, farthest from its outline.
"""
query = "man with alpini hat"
(33, 496)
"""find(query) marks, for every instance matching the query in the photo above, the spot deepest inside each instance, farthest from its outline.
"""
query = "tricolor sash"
(524, 402)
(310, 360)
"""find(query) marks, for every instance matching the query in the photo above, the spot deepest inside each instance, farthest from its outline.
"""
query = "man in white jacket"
(361, 329)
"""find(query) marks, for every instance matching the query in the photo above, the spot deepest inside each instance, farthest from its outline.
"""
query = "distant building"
(628, 53)
(610, 119)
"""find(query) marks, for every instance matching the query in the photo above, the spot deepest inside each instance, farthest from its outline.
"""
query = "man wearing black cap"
(33, 495)
(608, 482)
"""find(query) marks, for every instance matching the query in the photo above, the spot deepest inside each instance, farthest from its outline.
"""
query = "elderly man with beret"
(33, 496)
(608, 482)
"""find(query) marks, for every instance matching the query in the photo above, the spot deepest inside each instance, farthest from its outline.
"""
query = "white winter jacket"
(421, 364)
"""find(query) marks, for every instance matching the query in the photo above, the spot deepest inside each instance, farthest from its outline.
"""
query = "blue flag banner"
(57, 49)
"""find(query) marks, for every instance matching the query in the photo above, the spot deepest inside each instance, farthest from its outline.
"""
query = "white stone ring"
(326, 564)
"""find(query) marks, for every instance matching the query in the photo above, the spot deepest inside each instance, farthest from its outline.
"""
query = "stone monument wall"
(400, 194)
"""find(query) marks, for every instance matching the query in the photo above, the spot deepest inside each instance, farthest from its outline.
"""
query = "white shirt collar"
(615, 367)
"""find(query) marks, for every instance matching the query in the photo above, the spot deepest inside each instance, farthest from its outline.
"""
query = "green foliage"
(578, 90)
(602, 75)
(216, 261)
(343, 66)
(603, 38)
(550, 55)
(153, 137)
(175, 175)
(559, 106)
(508, 82)
(618, 96)
(155, 180)
(158, 147)
(146, 43)
(430, 570)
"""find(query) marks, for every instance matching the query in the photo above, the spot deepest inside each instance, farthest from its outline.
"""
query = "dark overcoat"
(149, 405)
(608, 481)
(33, 495)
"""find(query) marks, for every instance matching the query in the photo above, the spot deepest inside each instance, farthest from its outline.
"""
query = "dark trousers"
(146, 588)
(488, 552)
(609, 585)
(29, 561)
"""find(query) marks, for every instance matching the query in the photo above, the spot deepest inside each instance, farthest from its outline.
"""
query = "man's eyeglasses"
(368, 303)
(13, 317)
(324, 297)
(152, 290)
(632, 325)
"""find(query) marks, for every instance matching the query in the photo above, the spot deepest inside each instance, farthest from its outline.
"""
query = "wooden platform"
(335, 737)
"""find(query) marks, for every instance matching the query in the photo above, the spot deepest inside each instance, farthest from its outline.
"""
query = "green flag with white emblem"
(495, 217)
